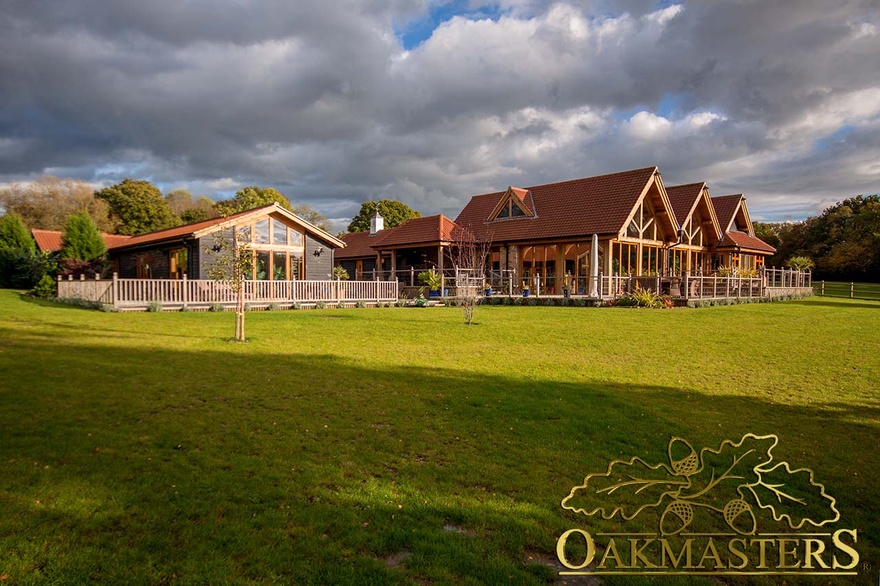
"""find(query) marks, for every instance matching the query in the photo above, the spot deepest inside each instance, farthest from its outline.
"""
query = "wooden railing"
(141, 293)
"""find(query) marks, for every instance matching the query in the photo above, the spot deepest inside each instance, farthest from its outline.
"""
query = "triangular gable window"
(510, 206)
(511, 210)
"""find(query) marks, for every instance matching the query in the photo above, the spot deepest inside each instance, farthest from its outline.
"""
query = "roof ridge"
(554, 183)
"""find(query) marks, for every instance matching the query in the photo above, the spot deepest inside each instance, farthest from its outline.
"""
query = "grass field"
(395, 445)
(867, 291)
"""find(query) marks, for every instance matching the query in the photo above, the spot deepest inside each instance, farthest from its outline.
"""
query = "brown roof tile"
(185, 230)
(734, 239)
(594, 205)
(725, 208)
(360, 244)
(425, 230)
(50, 240)
(189, 230)
(682, 198)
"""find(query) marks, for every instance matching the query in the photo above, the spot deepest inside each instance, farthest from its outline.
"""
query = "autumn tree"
(393, 212)
(312, 216)
(248, 198)
(47, 203)
(81, 239)
(137, 207)
(189, 210)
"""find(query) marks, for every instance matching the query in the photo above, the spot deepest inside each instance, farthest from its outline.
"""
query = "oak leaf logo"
(736, 480)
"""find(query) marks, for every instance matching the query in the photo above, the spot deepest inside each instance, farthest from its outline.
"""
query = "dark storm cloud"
(320, 99)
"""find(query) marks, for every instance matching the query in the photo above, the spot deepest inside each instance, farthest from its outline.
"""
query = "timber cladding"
(318, 266)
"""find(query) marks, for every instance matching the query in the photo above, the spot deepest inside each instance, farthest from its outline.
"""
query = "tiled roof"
(426, 230)
(725, 208)
(189, 230)
(683, 198)
(359, 244)
(50, 240)
(734, 239)
(594, 205)
(185, 230)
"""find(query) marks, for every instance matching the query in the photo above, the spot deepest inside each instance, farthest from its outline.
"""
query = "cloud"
(321, 99)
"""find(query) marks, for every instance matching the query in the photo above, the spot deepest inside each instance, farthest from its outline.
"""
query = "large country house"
(542, 235)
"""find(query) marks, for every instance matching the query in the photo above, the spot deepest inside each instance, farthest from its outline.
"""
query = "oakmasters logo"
(734, 510)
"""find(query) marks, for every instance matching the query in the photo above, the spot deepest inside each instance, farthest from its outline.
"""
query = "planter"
(488, 292)
(526, 293)
(433, 293)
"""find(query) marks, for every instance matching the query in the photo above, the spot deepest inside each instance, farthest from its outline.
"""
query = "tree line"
(131, 207)
(843, 243)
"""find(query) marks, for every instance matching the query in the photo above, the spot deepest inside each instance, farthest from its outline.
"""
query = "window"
(261, 232)
(261, 267)
(296, 238)
(279, 232)
(279, 265)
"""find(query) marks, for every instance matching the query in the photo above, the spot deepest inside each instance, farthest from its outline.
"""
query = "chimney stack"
(377, 224)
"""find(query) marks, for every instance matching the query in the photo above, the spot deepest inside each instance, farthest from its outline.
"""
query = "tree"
(249, 198)
(137, 207)
(312, 216)
(188, 210)
(393, 212)
(233, 264)
(469, 255)
(81, 239)
(14, 234)
(844, 241)
(48, 202)
(21, 266)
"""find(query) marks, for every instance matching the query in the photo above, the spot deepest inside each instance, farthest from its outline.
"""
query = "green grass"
(395, 445)
(867, 291)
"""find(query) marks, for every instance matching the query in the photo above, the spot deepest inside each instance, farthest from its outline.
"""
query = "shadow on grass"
(209, 466)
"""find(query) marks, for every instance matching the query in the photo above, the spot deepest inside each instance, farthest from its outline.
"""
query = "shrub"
(154, 307)
(432, 279)
(361, 304)
(340, 305)
(801, 263)
(421, 301)
(216, 307)
(274, 307)
(320, 305)
(340, 273)
(45, 289)
(296, 306)
(185, 309)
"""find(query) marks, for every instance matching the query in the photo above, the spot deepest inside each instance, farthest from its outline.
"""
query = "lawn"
(395, 445)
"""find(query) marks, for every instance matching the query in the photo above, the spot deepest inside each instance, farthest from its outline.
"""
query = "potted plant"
(525, 288)
(433, 281)
(487, 288)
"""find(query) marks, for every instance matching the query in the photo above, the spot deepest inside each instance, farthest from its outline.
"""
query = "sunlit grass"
(393, 445)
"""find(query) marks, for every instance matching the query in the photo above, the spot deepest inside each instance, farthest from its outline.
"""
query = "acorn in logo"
(738, 514)
(683, 457)
(676, 517)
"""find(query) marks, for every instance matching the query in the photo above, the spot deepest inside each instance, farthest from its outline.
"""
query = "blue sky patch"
(414, 33)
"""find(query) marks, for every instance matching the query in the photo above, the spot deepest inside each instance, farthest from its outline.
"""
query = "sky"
(430, 102)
